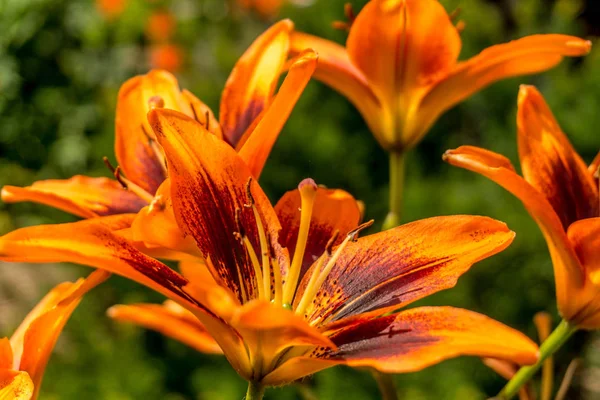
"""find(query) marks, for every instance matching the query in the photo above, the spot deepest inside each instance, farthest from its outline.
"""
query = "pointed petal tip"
(581, 45)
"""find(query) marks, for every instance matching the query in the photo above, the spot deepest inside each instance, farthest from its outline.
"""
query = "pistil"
(308, 193)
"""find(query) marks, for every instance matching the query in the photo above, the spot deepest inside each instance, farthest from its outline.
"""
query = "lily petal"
(549, 162)
(209, 185)
(255, 150)
(135, 143)
(333, 210)
(402, 45)
(568, 272)
(171, 320)
(155, 225)
(15, 385)
(388, 270)
(253, 80)
(297, 368)
(524, 56)
(80, 195)
(94, 243)
(415, 339)
(335, 69)
(6, 354)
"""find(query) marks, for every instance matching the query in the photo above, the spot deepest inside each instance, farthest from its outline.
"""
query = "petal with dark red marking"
(135, 145)
(415, 339)
(209, 185)
(549, 162)
(256, 145)
(333, 210)
(387, 270)
(171, 320)
(80, 195)
(94, 243)
(253, 80)
(568, 272)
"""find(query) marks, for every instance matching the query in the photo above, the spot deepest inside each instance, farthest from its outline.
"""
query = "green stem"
(396, 190)
(386, 385)
(255, 391)
(554, 342)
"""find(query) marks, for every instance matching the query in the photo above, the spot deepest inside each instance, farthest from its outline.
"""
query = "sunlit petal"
(80, 195)
(15, 385)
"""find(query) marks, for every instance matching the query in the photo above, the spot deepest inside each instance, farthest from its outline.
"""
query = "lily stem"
(554, 342)
(396, 190)
(386, 385)
(256, 391)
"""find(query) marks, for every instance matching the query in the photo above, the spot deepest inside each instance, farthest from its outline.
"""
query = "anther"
(455, 14)
(249, 193)
(238, 223)
(354, 233)
(108, 164)
(207, 123)
(349, 12)
(330, 243)
(156, 102)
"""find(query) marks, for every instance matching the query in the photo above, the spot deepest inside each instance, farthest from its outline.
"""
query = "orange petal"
(80, 195)
(335, 69)
(549, 162)
(6, 354)
(196, 271)
(333, 210)
(44, 324)
(155, 225)
(585, 236)
(253, 80)
(415, 339)
(135, 146)
(209, 185)
(524, 56)
(15, 385)
(568, 272)
(401, 46)
(297, 368)
(171, 320)
(387, 270)
(255, 150)
(203, 114)
(594, 167)
(94, 243)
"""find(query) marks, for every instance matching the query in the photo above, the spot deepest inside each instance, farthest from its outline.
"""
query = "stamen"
(127, 184)
(350, 17)
(264, 247)
(207, 123)
(308, 193)
(319, 276)
(241, 236)
(278, 285)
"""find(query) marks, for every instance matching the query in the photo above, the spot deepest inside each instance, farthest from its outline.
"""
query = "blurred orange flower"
(265, 8)
(400, 68)
(251, 118)
(111, 8)
(561, 194)
(166, 56)
(289, 290)
(23, 358)
(160, 26)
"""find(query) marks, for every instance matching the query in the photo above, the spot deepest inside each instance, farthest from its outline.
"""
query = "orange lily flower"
(400, 69)
(294, 289)
(560, 193)
(251, 117)
(24, 356)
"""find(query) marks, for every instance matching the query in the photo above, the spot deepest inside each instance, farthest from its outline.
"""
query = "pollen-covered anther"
(353, 234)
(156, 102)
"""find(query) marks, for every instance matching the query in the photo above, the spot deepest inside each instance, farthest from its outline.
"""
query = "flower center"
(268, 275)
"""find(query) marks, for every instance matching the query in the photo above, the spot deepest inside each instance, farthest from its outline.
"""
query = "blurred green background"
(61, 65)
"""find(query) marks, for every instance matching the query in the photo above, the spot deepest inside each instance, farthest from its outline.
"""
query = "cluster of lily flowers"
(286, 290)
